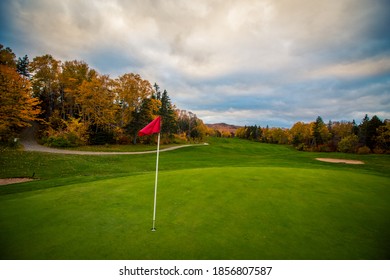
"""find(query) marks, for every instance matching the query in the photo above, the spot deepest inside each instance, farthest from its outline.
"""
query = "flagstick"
(155, 184)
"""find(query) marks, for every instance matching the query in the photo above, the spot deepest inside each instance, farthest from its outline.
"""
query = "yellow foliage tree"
(96, 100)
(131, 90)
(300, 133)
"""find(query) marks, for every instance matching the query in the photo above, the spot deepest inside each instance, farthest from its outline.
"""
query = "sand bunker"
(337, 160)
(8, 181)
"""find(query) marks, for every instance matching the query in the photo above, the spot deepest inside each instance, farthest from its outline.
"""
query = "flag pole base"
(153, 229)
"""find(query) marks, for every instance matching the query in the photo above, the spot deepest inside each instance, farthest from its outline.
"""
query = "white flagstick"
(155, 184)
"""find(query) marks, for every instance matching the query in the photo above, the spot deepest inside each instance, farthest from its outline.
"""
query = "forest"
(75, 105)
(370, 136)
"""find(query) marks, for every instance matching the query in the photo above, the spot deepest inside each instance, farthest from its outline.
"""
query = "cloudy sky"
(264, 62)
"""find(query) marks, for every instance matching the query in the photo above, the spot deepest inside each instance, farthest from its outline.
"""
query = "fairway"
(233, 199)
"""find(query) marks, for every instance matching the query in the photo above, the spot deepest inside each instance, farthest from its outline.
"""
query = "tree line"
(76, 105)
(371, 135)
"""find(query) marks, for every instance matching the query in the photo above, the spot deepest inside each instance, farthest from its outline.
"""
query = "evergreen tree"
(355, 128)
(157, 89)
(363, 127)
(22, 66)
(372, 134)
(168, 115)
(318, 132)
(141, 117)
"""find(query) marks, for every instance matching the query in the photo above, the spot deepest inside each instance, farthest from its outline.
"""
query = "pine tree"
(141, 117)
(372, 134)
(318, 127)
(22, 66)
(363, 127)
(355, 128)
(157, 89)
(168, 115)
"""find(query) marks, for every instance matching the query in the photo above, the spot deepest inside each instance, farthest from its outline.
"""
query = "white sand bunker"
(8, 181)
(337, 160)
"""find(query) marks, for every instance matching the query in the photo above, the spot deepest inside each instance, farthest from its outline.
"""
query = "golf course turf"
(232, 199)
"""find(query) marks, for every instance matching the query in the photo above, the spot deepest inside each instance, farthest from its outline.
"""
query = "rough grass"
(230, 200)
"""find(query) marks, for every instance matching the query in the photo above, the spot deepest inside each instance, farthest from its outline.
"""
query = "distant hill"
(224, 127)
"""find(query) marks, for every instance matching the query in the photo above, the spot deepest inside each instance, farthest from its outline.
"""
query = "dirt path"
(30, 144)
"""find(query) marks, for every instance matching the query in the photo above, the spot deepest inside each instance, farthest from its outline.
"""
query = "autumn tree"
(199, 130)
(186, 122)
(7, 57)
(96, 100)
(252, 132)
(131, 91)
(300, 134)
(73, 74)
(348, 144)
(383, 138)
(45, 72)
(17, 106)
(337, 131)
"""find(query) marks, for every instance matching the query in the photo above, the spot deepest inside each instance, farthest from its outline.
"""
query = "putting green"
(209, 213)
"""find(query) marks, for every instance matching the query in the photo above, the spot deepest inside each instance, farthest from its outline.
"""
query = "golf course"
(231, 199)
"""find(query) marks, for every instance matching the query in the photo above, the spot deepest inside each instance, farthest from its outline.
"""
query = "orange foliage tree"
(17, 106)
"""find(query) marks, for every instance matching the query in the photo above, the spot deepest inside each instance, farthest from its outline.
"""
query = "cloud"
(247, 61)
(354, 69)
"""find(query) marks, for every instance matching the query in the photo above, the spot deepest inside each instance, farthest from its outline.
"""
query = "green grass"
(234, 199)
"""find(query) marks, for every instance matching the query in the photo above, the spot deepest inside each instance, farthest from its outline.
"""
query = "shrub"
(73, 133)
(301, 147)
(124, 140)
(58, 141)
(364, 150)
(77, 132)
(101, 137)
(348, 144)
(324, 148)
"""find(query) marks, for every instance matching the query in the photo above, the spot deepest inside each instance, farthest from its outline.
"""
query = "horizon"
(262, 126)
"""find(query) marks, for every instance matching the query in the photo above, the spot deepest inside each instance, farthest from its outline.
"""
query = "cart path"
(30, 144)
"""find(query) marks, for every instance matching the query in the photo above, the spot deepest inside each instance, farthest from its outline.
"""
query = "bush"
(100, 136)
(348, 144)
(364, 150)
(73, 134)
(324, 148)
(59, 141)
(11, 142)
(124, 140)
(301, 147)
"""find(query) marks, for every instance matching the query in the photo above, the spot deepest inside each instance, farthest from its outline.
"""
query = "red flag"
(151, 128)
